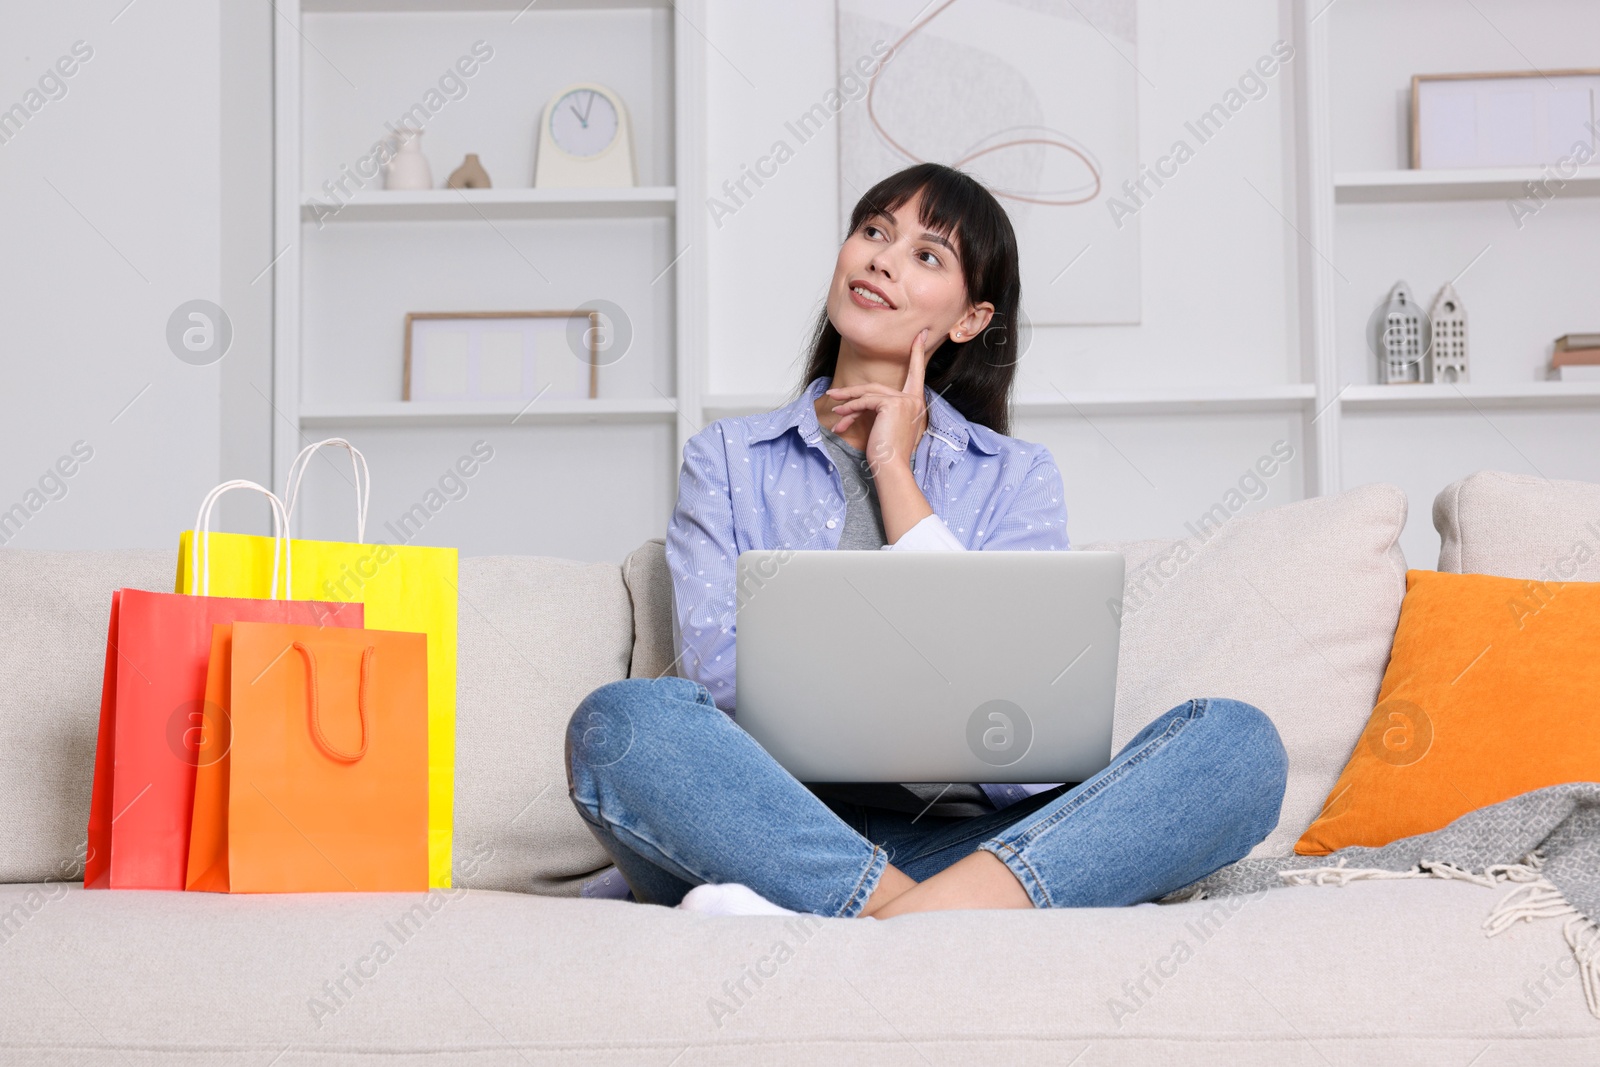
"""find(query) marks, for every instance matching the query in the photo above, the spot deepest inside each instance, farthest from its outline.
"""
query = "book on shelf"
(1578, 372)
(1567, 357)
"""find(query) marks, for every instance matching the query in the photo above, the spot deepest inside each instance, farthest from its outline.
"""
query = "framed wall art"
(501, 355)
(1039, 101)
(1524, 118)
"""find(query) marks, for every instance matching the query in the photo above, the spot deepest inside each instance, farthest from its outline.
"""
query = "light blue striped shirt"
(767, 482)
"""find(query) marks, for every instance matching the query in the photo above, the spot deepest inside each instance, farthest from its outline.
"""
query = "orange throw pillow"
(1492, 689)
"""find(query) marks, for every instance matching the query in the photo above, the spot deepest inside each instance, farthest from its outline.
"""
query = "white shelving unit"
(1343, 214)
(1365, 227)
(516, 6)
(351, 265)
(425, 413)
(426, 204)
(1528, 396)
(1395, 186)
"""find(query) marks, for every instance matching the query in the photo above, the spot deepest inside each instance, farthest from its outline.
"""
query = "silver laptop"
(929, 666)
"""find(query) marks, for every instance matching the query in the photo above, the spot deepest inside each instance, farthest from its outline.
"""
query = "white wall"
(769, 263)
(247, 418)
(111, 211)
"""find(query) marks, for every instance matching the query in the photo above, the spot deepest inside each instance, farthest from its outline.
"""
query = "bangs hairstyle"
(975, 375)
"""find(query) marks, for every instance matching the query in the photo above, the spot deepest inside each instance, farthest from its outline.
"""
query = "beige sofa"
(1290, 608)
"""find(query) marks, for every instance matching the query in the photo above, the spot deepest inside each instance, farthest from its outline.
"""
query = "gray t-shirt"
(863, 517)
(863, 529)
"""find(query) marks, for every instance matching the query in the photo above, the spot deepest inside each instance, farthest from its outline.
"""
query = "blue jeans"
(679, 795)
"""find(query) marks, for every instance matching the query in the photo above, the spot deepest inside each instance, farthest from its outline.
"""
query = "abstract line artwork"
(1037, 99)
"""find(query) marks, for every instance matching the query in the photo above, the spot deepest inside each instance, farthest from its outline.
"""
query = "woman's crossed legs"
(679, 795)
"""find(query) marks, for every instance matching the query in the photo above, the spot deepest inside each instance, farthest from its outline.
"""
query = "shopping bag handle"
(361, 705)
(358, 463)
(200, 571)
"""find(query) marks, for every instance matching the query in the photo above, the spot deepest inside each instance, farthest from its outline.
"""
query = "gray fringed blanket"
(1547, 839)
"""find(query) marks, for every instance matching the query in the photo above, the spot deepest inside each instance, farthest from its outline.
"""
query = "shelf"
(651, 201)
(1218, 401)
(1392, 186)
(461, 6)
(475, 413)
(1528, 395)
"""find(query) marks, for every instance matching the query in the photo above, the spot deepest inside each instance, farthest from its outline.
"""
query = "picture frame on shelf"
(1503, 119)
(501, 355)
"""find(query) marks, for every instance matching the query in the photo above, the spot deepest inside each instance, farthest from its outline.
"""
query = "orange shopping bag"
(317, 780)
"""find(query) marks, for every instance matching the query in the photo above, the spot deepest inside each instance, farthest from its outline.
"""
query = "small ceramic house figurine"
(1401, 344)
(1447, 357)
(470, 175)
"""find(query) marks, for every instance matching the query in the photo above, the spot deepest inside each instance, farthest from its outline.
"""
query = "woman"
(898, 441)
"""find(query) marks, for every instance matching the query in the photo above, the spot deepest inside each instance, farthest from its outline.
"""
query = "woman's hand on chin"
(898, 416)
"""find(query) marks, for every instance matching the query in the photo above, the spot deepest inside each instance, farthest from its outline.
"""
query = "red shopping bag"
(152, 713)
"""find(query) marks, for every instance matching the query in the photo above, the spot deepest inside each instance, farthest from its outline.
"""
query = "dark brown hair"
(975, 376)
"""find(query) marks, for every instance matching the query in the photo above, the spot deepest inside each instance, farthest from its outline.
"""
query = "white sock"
(730, 898)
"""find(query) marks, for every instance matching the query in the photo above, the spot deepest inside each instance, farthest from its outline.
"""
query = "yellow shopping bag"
(403, 587)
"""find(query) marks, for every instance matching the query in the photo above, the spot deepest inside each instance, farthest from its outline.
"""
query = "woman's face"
(916, 271)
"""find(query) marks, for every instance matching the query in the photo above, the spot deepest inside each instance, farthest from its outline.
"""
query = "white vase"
(408, 169)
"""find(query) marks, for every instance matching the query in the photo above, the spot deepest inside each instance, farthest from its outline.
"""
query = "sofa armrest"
(650, 587)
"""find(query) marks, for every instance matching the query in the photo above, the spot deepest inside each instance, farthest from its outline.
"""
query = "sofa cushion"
(1489, 694)
(537, 635)
(1291, 609)
(1519, 526)
(1383, 971)
(54, 611)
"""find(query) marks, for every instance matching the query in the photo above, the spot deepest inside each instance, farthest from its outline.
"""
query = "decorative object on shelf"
(502, 355)
(1518, 118)
(1447, 355)
(1576, 358)
(408, 169)
(470, 175)
(585, 141)
(1402, 341)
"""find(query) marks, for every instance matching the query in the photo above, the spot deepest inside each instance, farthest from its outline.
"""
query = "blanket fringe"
(1535, 897)
(1527, 870)
(1534, 900)
(1340, 874)
(1584, 938)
